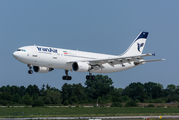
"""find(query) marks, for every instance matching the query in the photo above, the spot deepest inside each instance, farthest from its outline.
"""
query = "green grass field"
(84, 112)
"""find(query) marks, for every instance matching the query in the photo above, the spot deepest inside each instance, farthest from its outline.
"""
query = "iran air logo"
(139, 46)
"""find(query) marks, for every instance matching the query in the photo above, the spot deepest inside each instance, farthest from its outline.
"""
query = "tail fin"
(137, 45)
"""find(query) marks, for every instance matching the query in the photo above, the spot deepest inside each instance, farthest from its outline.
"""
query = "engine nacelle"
(81, 66)
(40, 69)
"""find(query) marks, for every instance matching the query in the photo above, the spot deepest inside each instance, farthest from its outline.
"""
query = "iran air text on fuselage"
(43, 49)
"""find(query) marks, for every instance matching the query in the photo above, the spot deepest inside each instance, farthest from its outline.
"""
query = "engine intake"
(81, 66)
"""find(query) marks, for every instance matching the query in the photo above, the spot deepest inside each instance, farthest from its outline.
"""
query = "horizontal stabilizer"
(153, 60)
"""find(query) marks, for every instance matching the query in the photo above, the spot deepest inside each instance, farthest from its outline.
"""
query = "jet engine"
(40, 69)
(81, 66)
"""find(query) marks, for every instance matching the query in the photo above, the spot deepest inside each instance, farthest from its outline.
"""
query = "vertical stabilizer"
(137, 45)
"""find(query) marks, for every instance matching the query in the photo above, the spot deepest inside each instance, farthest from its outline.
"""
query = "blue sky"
(102, 26)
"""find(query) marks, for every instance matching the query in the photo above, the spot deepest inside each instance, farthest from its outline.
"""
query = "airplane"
(45, 59)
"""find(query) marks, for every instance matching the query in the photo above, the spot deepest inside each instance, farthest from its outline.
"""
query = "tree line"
(100, 89)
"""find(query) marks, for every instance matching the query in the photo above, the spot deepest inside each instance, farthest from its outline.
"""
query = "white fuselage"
(59, 58)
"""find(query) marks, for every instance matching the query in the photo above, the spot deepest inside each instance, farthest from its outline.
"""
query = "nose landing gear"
(30, 67)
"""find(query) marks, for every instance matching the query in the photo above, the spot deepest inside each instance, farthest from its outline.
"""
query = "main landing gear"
(67, 77)
(90, 77)
(30, 67)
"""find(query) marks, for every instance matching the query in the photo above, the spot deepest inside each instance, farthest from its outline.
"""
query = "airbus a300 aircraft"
(45, 59)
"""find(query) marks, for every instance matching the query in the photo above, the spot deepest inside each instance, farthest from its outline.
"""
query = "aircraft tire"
(63, 78)
(66, 77)
(90, 77)
(93, 77)
(69, 77)
(30, 71)
(87, 77)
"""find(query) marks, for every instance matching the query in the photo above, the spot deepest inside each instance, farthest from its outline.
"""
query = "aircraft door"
(55, 56)
(34, 54)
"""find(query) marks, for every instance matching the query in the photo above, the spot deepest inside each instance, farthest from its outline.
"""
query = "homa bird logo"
(139, 46)
(47, 49)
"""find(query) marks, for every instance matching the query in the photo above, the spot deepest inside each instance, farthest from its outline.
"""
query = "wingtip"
(161, 59)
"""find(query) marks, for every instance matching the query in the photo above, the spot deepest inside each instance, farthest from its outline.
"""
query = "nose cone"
(19, 56)
(15, 55)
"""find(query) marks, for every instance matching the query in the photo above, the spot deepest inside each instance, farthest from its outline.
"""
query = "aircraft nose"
(15, 54)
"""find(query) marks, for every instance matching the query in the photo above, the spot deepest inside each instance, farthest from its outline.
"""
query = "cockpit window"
(21, 50)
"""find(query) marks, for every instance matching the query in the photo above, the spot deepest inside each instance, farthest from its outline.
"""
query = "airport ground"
(87, 112)
(100, 118)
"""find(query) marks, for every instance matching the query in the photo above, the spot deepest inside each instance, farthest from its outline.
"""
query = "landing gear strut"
(30, 67)
(90, 76)
(67, 77)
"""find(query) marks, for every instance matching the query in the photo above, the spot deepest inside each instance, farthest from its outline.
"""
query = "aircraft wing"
(118, 60)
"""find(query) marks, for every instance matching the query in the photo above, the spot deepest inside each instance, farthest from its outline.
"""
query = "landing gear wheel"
(69, 77)
(93, 77)
(30, 71)
(87, 77)
(66, 77)
(30, 67)
(90, 77)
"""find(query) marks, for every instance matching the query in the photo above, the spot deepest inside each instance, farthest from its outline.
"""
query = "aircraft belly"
(47, 60)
